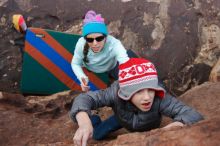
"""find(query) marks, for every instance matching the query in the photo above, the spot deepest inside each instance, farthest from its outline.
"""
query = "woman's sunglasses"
(98, 39)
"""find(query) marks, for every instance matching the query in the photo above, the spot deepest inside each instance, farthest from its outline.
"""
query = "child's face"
(96, 41)
(143, 99)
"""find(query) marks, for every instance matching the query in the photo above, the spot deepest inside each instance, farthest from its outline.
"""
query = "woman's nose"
(94, 42)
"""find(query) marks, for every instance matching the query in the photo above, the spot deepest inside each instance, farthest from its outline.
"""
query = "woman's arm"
(77, 60)
(83, 79)
(77, 69)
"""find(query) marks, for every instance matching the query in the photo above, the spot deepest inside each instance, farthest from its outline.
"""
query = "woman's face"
(96, 41)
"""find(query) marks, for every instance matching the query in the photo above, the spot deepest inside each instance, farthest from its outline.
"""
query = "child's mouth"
(146, 105)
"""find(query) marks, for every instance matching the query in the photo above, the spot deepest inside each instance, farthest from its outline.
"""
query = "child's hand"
(174, 124)
(82, 135)
(85, 130)
(84, 85)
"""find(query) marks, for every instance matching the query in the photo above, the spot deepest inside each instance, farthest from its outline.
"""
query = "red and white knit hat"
(137, 74)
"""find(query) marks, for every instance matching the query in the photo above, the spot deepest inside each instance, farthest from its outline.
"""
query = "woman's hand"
(84, 85)
(174, 124)
(85, 130)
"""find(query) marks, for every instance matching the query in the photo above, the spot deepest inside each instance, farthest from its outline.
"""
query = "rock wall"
(181, 37)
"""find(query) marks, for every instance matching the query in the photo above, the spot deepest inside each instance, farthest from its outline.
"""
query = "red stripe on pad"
(51, 67)
(53, 43)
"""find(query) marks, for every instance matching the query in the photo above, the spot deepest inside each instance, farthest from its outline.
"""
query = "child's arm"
(178, 111)
(93, 100)
(85, 130)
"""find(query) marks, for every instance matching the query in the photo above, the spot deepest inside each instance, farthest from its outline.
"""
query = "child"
(137, 101)
(96, 50)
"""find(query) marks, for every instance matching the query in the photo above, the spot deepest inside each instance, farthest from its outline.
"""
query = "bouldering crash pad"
(46, 67)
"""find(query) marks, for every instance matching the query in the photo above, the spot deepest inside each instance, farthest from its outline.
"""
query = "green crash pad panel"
(46, 67)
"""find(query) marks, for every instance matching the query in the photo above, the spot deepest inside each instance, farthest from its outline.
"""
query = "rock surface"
(36, 120)
(201, 134)
(215, 73)
(181, 37)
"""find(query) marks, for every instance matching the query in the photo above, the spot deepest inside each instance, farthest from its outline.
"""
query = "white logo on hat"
(136, 70)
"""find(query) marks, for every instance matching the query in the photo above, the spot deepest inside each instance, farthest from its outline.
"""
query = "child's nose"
(146, 95)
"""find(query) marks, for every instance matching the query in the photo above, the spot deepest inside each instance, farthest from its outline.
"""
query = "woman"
(96, 50)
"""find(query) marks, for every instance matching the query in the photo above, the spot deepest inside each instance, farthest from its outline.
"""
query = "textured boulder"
(182, 38)
(40, 120)
(201, 134)
(35, 120)
(215, 73)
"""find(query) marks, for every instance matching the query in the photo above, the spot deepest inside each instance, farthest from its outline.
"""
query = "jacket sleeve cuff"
(73, 114)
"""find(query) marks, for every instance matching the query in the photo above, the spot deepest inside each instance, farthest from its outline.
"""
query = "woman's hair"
(85, 53)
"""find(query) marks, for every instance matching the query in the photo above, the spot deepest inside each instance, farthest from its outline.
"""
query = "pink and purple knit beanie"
(137, 74)
(93, 23)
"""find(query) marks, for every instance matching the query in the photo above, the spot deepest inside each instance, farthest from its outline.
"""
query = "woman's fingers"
(84, 85)
(85, 88)
(84, 81)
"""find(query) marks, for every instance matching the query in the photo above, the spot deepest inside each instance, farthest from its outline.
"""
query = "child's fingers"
(77, 138)
(84, 139)
(77, 142)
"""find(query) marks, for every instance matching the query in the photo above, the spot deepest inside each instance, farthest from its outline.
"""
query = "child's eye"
(139, 91)
(151, 90)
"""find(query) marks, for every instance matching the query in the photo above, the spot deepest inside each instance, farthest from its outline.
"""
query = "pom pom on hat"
(137, 74)
(93, 23)
(91, 16)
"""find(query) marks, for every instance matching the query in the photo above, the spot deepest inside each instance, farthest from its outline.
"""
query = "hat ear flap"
(161, 94)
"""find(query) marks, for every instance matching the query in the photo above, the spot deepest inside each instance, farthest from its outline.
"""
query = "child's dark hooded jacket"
(128, 115)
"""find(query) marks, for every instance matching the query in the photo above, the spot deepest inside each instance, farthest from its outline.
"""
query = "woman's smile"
(96, 49)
